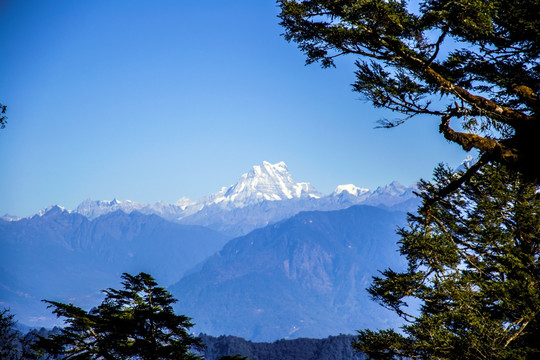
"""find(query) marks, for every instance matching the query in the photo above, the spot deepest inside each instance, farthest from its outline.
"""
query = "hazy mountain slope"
(65, 256)
(304, 276)
(240, 221)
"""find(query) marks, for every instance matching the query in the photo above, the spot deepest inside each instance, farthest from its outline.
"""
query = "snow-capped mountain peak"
(184, 202)
(93, 209)
(351, 189)
(51, 210)
(271, 182)
(8, 217)
(392, 189)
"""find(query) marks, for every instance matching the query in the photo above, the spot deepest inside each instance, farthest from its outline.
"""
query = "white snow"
(270, 182)
(351, 189)
(50, 208)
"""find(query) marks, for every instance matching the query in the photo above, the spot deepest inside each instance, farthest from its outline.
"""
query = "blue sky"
(156, 100)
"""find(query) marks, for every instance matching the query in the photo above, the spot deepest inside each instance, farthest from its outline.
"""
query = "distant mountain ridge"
(264, 195)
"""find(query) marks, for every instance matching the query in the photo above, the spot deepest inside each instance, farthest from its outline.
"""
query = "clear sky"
(157, 100)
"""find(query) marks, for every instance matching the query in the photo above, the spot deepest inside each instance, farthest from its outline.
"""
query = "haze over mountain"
(266, 194)
(61, 255)
(302, 277)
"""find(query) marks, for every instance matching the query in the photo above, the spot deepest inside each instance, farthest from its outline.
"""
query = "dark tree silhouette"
(13, 344)
(8, 335)
(135, 322)
(234, 357)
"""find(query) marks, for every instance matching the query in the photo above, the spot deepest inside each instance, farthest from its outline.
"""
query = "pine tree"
(473, 268)
(8, 335)
(135, 322)
(13, 344)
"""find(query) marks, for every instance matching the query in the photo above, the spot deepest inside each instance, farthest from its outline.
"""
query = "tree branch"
(469, 141)
(498, 112)
(437, 46)
(455, 184)
(520, 330)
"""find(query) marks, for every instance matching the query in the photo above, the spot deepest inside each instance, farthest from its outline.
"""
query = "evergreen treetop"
(135, 322)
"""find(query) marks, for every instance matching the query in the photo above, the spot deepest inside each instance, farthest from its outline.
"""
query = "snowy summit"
(271, 182)
(351, 189)
(93, 209)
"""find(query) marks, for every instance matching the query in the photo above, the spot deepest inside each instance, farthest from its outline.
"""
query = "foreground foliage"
(135, 322)
(13, 344)
(473, 268)
(333, 347)
(471, 61)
